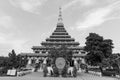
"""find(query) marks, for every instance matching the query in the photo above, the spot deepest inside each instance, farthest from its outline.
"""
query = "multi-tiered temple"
(58, 38)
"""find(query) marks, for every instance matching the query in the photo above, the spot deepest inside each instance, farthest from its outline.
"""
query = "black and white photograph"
(59, 39)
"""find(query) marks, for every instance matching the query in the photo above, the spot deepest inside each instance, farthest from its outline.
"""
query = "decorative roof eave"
(60, 33)
(60, 39)
(33, 54)
(44, 55)
(48, 48)
(60, 43)
(40, 47)
(79, 55)
(55, 36)
(61, 36)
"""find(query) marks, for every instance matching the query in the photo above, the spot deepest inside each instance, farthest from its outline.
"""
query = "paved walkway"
(38, 76)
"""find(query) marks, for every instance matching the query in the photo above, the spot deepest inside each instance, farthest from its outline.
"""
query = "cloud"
(9, 42)
(81, 3)
(87, 2)
(70, 4)
(98, 16)
(94, 18)
(8, 34)
(28, 5)
(6, 21)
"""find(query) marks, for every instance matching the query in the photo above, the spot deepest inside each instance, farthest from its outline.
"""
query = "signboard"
(11, 72)
(60, 63)
(8, 72)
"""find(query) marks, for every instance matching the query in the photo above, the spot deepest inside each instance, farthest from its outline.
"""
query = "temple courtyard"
(39, 76)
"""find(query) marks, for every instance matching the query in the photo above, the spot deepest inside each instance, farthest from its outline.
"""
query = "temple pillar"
(46, 52)
(83, 60)
(45, 60)
(76, 63)
(29, 63)
(36, 60)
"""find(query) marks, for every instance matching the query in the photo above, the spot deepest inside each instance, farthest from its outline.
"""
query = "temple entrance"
(61, 68)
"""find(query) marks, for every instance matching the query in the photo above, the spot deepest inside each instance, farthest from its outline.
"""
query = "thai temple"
(58, 38)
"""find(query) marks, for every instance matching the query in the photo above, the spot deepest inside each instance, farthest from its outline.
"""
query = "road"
(39, 76)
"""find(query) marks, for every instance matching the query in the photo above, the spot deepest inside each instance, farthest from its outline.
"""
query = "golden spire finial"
(60, 14)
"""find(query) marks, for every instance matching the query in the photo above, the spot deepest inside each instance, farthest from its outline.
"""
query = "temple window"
(36, 51)
(43, 52)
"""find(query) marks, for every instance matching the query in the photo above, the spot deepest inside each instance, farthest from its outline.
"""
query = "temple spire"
(60, 17)
(60, 14)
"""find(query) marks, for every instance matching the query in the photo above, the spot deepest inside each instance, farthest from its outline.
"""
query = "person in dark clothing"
(48, 62)
(72, 63)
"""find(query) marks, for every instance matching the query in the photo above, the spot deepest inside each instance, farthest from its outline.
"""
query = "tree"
(98, 48)
(21, 61)
(3, 61)
(112, 62)
(12, 60)
(107, 46)
(93, 47)
(16, 61)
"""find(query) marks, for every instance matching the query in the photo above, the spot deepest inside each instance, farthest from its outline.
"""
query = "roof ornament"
(60, 15)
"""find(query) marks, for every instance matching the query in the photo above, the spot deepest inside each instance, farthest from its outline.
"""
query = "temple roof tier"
(60, 43)
(60, 33)
(33, 55)
(60, 28)
(60, 39)
(60, 36)
(60, 25)
(47, 48)
(45, 55)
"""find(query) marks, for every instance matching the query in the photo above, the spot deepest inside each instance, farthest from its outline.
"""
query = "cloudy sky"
(26, 23)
